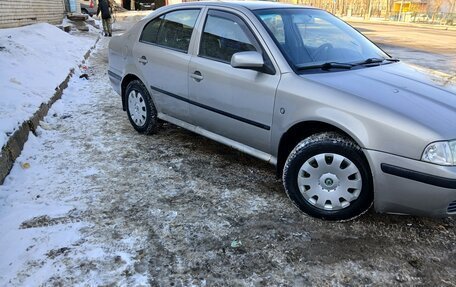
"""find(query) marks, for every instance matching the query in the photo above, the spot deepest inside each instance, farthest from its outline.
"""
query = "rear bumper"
(115, 80)
(145, 6)
(408, 186)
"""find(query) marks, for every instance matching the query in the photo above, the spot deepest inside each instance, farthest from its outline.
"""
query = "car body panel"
(250, 101)
(396, 194)
(120, 60)
(85, 7)
(144, 4)
(392, 90)
(392, 111)
(247, 105)
(221, 139)
(374, 112)
(164, 64)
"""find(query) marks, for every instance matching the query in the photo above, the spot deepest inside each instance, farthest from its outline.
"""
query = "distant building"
(417, 6)
(130, 4)
(15, 13)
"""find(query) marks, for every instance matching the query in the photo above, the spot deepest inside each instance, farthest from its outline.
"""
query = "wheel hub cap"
(137, 108)
(329, 181)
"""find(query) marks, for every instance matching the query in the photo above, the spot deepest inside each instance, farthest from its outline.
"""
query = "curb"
(403, 24)
(13, 147)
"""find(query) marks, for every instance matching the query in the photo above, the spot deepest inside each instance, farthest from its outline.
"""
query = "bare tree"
(436, 4)
(452, 6)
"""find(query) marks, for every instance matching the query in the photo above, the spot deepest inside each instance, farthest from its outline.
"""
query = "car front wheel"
(140, 108)
(327, 176)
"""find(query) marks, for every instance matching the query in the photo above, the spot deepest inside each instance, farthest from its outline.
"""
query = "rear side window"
(225, 34)
(150, 32)
(172, 30)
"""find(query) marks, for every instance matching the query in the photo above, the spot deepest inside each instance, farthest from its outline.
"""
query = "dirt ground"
(423, 46)
(176, 209)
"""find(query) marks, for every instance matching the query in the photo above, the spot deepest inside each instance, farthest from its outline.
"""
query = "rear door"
(162, 56)
(235, 103)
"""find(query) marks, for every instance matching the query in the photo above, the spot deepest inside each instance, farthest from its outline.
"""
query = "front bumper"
(408, 186)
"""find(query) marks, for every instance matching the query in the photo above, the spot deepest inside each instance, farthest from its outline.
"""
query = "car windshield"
(310, 37)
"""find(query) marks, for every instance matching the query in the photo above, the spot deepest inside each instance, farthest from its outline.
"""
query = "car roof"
(251, 5)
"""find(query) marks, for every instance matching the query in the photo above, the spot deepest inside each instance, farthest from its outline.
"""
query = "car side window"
(225, 34)
(172, 30)
(150, 31)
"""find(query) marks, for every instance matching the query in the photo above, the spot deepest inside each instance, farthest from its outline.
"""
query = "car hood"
(420, 96)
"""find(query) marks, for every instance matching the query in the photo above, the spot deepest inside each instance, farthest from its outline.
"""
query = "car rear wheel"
(140, 108)
(327, 176)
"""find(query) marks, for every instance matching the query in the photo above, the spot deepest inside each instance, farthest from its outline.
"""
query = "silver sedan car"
(346, 125)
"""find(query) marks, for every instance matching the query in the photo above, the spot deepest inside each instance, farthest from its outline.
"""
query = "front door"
(235, 103)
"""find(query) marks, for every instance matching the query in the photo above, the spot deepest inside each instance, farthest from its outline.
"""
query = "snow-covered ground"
(34, 60)
(91, 202)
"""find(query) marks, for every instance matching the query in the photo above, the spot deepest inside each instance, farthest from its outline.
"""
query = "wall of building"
(170, 2)
(15, 13)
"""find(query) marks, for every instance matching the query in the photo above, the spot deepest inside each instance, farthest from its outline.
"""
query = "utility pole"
(369, 10)
(387, 9)
(400, 11)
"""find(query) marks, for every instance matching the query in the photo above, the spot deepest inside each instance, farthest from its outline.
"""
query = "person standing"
(105, 8)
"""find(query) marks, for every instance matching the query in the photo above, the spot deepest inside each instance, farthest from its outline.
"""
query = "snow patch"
(34, 60)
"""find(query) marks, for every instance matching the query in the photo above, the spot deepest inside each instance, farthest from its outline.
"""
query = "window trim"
(220, 16)
(142, 32)
(161, 25)
(271, 35)
(268, 63)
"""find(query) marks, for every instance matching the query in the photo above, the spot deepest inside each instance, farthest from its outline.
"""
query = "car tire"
(140, 108)
(327, 176)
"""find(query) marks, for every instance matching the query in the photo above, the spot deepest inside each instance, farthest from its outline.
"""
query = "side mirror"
(247, 60)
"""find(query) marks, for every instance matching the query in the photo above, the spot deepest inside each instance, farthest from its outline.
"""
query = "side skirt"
(218, 138)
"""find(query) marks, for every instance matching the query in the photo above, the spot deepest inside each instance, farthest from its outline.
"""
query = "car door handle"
(197, 76)
(143, 60)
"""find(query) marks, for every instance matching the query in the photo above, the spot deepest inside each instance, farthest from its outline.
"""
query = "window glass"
(275, 24)
(150, 31)
(176, 29)
(309, 37)
(225, 34)
(172, 30)
(312, 36)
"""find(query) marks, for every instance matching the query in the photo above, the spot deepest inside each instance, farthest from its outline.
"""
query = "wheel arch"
(300, 131)
(123, 86)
